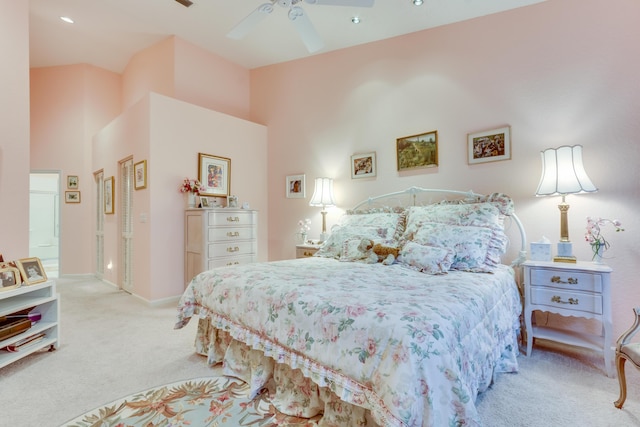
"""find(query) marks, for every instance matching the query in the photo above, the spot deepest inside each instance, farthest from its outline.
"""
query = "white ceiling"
(107, 33)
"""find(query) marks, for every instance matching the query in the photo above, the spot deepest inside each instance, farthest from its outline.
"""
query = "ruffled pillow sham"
(425, 258)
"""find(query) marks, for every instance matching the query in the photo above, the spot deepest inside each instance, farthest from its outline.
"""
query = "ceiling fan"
(297, 15)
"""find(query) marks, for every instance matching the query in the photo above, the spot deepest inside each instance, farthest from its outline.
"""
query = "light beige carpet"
(114, 345)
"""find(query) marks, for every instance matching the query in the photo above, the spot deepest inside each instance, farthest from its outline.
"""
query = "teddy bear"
(386, 254)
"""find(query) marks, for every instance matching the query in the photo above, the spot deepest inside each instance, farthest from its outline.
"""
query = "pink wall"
(14, 128)
(68, 105)
(558, 72)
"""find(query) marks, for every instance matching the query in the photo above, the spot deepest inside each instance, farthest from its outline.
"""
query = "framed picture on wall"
(72, 182)
(140, 175)
(489, 146)
(363, 165)
(72, 197)
(31, 270)
(214, 173)
(109, 191)
(417, 151)
(295, 187)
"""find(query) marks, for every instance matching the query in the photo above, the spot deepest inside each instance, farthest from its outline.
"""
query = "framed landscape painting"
(417, 151)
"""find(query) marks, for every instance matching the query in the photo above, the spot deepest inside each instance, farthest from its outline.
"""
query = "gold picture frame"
(417, 151)
(72, 196)
(214, 173)
(109, 193)
(72, 182)
(140, 175)
(31, 270)
(489, 145)
(10, 277)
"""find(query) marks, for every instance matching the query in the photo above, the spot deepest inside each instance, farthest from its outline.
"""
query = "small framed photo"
(72, 197)
(109, 192)
(489, 146)
(10, 277)
(204, 202)
(417, 151)
(214, 173)
(72, 182)
(295, 187)
(363, 165)
(232, 201)
(140, 175)
(31, 270)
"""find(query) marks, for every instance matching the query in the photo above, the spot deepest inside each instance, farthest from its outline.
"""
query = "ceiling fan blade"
(353, 3)
(245, 26)
(305, 28)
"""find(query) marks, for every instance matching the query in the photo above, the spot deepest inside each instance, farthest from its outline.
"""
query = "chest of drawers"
(219, 237)
(578, 290)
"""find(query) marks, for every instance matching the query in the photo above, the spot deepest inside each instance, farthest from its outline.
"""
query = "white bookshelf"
(46, 301)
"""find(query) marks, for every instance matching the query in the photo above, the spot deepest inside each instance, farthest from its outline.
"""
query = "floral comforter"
(414, 349)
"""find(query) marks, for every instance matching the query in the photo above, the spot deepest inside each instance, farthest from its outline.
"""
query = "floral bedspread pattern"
(414, 349)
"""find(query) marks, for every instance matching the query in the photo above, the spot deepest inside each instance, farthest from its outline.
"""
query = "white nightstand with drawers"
(582, 290)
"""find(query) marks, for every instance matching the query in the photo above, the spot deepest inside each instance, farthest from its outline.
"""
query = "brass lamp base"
(569, 259)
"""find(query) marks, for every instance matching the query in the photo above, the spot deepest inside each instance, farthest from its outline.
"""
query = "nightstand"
(582, 290)
(306, 250)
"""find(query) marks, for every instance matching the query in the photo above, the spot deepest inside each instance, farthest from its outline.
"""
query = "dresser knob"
(233, 234)
(557, 299)
(308, 253)
(570, 280)
(233, 219)
(233, 263)
(235, 249)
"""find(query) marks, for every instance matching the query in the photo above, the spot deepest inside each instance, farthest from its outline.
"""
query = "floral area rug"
(200, 402)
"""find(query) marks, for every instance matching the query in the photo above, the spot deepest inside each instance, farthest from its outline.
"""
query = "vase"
(191, 200)
(598, 252)
(302, 238)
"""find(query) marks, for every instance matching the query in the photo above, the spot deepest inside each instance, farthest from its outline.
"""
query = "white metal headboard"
(418, 196)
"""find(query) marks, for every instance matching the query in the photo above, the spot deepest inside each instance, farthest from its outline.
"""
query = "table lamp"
(323, 196)
(562, 174)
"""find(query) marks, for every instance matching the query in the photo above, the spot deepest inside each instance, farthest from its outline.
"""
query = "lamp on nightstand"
(562, 174)
(323, 196)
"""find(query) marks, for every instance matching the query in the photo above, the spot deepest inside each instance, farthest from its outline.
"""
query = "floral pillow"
(381, 227)
(427, 259)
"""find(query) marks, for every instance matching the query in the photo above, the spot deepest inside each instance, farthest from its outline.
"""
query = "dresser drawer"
(565, 279)
(568, 300)
(225, 249)
(227, 261)
(231, 233)
(231, 218)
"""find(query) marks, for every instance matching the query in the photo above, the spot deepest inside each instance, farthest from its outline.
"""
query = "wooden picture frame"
(72, 196)
(363, 165)
(417, 151)
(140, 175)
(489, 145)
(31, 270)
(295, 187)
(214, 173)
(10, 277)
(72, 182)
(109, 193)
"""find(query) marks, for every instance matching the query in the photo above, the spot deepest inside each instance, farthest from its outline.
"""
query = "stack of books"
(17, 323)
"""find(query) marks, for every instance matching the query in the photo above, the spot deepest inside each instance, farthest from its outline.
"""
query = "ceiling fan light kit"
(297, 16)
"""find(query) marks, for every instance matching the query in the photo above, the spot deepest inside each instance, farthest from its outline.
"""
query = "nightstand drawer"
(567, 300)
(305, 252)
(573, 280)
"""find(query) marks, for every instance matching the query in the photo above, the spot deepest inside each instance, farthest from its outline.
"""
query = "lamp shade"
(323, 193)
(563, 172)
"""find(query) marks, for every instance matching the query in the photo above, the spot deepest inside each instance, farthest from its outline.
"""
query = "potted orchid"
(594, 236)
(192, 187)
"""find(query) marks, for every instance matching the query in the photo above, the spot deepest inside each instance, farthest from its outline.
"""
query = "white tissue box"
(540, 251)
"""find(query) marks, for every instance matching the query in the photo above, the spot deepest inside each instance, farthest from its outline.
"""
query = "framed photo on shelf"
(214, 173)
(204, 202)
(10, 277)
(109, 192)
(417, 151)
(72, 197)
(31, 270)
(489, 146)
(140, 175)
(363, 165)
(295, 187)
(72, 182)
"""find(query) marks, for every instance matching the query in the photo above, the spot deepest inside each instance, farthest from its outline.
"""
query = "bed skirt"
(291, 393)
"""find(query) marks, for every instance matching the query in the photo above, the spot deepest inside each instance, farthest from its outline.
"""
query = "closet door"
(99, 232)
(126, 225)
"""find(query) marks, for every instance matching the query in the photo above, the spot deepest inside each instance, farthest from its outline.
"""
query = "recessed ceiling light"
(67, 19)
(417, 2)
(355, 20)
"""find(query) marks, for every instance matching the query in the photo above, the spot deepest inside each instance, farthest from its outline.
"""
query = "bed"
(347, 340)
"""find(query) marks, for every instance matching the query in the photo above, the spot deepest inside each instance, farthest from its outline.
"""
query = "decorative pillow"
(473, 214)
(473, 247)
(381, 227)
(427, 259)
(357, 249)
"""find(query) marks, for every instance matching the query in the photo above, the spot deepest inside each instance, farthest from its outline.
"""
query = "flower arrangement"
(305, 225)
(191, 186)
(594, 233)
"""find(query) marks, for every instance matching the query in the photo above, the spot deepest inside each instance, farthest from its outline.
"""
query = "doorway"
(44, 219)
